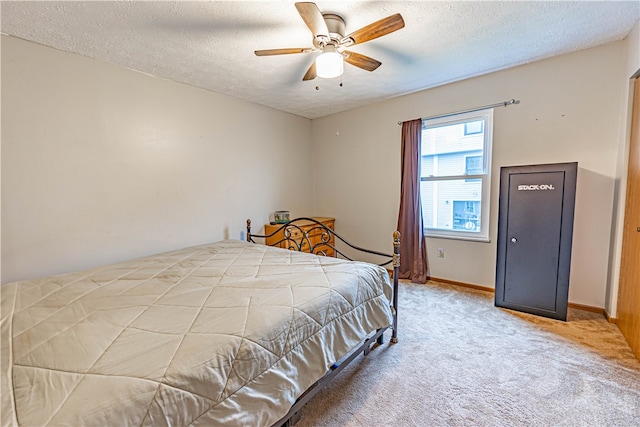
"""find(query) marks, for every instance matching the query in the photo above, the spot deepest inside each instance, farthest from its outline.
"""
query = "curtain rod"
(499, 104)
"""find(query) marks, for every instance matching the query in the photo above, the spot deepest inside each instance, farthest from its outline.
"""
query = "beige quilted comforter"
(228, 333)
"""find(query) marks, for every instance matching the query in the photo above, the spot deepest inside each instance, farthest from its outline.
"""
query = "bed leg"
(396, 268)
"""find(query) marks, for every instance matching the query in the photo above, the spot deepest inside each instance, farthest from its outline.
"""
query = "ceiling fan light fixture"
(328, 31)
(330, 63)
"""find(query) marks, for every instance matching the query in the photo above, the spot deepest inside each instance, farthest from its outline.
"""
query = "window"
(455, 174)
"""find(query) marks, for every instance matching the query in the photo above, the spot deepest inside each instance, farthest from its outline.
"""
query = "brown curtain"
(413, 249)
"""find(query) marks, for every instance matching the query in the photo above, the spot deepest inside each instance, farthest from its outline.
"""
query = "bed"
(228, 333)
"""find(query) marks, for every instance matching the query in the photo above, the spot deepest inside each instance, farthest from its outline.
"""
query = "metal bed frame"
(298, 239)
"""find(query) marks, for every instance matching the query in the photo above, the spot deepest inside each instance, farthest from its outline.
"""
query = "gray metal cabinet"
(535, 228)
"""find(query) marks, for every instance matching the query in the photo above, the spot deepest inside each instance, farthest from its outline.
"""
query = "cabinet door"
(534, 238)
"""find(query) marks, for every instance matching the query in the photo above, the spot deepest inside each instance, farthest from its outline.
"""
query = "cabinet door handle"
(514, 240)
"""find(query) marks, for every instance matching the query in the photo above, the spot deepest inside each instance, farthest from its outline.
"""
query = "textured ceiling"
(210, 44)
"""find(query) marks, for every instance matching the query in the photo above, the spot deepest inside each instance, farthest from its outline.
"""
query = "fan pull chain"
(339, 84)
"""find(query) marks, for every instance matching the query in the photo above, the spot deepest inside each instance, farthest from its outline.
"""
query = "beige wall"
(569, 111)
(100, 163)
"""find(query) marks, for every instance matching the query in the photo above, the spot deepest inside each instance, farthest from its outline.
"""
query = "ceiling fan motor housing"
(336, 27)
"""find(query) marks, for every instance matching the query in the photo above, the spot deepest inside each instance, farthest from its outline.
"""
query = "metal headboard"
(297, 238)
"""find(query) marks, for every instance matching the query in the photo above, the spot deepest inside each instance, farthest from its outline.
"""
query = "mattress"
(228, 333)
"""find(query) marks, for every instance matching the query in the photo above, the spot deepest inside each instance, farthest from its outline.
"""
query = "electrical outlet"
(440, 252)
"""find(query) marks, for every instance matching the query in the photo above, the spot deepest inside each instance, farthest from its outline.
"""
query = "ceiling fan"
(328, 36)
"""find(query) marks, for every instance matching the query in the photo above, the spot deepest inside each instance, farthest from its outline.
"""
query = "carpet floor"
(460, 361)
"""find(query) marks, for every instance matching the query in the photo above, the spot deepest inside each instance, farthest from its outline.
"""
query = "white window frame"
(482, 234)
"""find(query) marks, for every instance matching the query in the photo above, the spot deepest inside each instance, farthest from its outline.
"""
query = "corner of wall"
(631, 71)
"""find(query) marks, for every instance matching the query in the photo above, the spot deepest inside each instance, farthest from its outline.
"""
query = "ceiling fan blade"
(311, 72)
(373, 31)
(312, 16)
(267, 52)
(361, 61)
